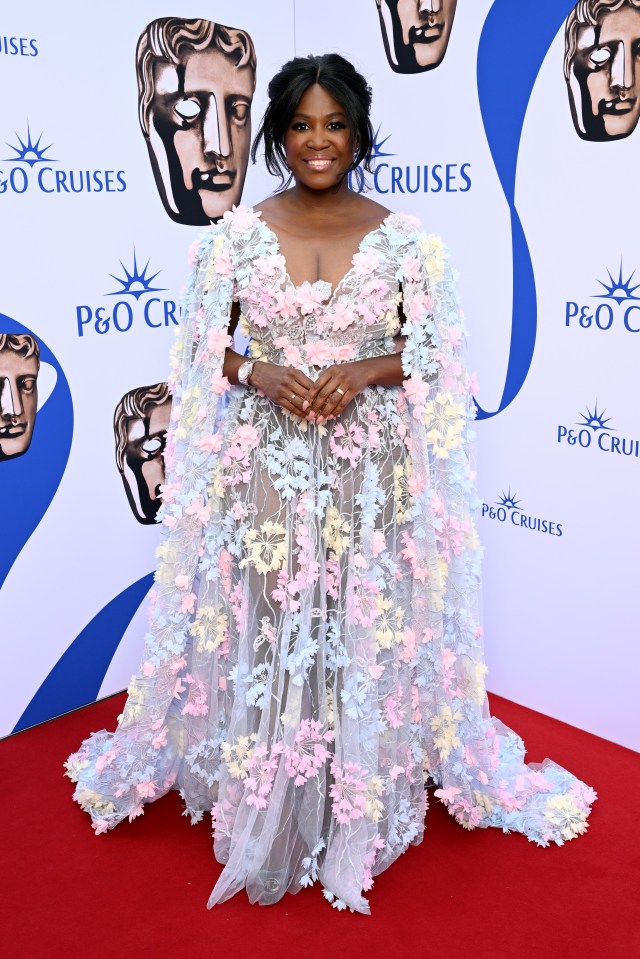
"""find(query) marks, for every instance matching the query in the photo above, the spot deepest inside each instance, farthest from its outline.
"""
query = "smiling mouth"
(12, 431)
(212, 180)
(319, 164)
(427, 34)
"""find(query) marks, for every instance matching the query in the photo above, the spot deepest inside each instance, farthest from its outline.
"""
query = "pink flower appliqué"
(240, 218)
(222, 264)
(237, 466)
(318, 353)
(348, 792)
(308, 298)
(416, 389)
(262, 772)
(196, 704)
(361, 601)
(292, 354)
(219, 383)
(218, 341)
(411, 268)
(285, 303)
(270, 264)
(342, 315)
(366, 262)
(350, 447)
(246, 436)
(308, 754)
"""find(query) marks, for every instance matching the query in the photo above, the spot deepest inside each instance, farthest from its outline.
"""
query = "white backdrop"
(561, 611)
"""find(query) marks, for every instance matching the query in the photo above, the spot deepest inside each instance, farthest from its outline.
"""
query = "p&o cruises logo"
(620, 306)
(595, 432)
(132, 305)
(395, 175)
(510, 510)
(32, 167)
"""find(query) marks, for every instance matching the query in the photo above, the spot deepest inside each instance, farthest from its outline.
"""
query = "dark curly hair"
(340, 79)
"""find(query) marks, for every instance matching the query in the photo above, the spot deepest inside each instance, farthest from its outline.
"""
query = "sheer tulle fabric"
(314, 653)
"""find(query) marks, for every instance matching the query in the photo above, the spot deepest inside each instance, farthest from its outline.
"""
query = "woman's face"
(319, 143)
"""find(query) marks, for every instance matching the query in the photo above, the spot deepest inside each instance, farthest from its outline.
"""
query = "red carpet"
(141, 890)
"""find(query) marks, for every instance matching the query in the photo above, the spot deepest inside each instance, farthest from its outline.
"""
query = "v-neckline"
(334, 290)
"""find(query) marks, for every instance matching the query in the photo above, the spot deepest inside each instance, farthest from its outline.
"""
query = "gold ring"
(338, 390)
(293, 396)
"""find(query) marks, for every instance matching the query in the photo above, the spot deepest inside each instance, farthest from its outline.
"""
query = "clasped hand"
(321, 400)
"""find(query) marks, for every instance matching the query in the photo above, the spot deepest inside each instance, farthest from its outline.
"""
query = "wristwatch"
(244, 372)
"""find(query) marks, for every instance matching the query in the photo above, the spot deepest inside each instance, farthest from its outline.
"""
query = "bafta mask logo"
(140, 423)
(19, 367)
(602, 68)
(196, 81)
(416, 32)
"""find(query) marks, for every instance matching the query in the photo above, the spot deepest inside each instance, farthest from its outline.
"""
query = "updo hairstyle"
(341, 80)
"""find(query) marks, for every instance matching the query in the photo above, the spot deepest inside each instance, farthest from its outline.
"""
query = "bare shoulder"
(272, 208)
(369, 213)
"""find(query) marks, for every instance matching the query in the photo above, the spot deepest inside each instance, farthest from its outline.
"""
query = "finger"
(292, 399)
(322, 380)
(324, 393)
(287, 405)
(303, 380)
(332, 404)
(344, 402)
(331, 400)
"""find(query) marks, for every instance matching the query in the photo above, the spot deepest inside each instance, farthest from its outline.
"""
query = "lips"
(319, 164)
(429, 33)
(12, 430)
(618, 107)
(212, 180)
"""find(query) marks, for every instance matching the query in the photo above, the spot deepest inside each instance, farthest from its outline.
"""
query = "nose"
(215, 132)
(429, 6)
(317, 137)
(10, 405)
(623, 67)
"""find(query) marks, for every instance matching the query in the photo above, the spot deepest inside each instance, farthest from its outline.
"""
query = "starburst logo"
(377, 148)
(508, 509)
(30, 152)
(596, 420)
(136, 282)
(618, 290)
(508, 500)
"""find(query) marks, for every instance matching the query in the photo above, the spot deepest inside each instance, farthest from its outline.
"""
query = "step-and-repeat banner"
(509, 129)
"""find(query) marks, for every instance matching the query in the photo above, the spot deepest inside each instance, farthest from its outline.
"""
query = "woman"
(314, 654)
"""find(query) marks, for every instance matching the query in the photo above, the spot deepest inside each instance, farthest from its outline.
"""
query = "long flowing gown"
(314, 654)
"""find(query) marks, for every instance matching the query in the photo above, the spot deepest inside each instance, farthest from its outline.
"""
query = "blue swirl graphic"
(513, 45)
(29, 482)
(76, 678)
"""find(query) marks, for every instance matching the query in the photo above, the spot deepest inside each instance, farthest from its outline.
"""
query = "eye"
(239, 111)
(337, 125)
(152, 446)
(27, 384)
(600, 56)
(299, 125)
(187, 109)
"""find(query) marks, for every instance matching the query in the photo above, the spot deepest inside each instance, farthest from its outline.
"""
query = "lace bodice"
(309, 325)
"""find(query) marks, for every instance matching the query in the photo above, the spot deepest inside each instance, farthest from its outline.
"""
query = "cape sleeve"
(475, 759)
(117, 773)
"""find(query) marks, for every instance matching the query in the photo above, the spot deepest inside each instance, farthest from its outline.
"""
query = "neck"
(307, 200)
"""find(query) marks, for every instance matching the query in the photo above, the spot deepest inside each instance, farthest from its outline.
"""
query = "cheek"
(241, 141)
(188, 149)
(599, 87)
(30, 405)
